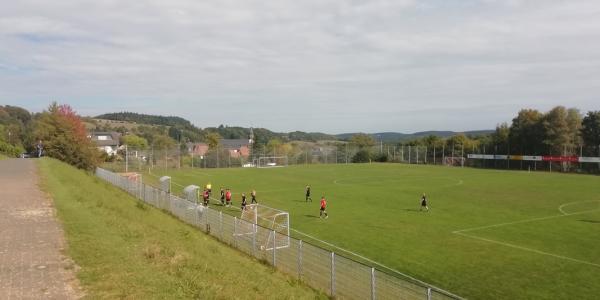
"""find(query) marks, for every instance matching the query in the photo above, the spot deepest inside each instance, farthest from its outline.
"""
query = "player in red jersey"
(205, 196)
(228, 197)
(323, 207)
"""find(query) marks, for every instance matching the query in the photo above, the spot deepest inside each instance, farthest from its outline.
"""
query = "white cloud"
(310, 65)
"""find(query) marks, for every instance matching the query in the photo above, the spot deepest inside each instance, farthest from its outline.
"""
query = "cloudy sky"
(313, 65)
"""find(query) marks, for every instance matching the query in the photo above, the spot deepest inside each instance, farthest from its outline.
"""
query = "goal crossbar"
(271, 161)
(273, 230)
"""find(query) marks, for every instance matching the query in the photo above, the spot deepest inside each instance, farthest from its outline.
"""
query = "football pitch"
(490, 234)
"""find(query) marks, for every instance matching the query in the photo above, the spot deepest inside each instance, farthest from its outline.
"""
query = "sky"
(312, 65)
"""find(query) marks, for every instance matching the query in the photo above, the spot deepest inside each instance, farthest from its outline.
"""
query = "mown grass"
(374, 211)
(129, 250)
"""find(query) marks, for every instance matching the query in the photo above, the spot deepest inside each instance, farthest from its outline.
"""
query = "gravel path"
(32, 264)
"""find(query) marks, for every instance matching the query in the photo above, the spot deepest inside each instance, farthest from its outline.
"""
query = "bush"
(362, 156)
(381, 157)
(10, 150)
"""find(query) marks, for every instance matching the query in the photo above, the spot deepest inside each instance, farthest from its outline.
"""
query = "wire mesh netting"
(321, 269)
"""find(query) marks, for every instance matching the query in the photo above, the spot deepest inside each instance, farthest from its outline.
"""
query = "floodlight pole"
(417, 150)
(443, 152)
(347, 152)
(462, 155)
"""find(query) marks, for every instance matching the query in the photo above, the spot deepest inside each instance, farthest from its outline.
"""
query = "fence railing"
(336, 275)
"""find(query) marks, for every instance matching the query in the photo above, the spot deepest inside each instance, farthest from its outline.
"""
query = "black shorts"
(423, 203)
(323, 208)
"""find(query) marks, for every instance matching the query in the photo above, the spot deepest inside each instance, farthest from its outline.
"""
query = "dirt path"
(32, 265)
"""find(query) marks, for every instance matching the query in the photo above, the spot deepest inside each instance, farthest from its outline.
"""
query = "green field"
(490, 234)
(128, 250)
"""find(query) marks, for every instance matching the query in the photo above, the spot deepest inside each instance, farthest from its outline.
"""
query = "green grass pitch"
(490, 234)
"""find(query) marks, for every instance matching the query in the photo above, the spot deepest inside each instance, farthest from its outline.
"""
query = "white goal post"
(271, 161)
(273, 228)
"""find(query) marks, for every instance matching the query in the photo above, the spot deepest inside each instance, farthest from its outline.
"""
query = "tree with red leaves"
(64, 137)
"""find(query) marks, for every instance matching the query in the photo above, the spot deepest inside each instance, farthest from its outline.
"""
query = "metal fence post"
(206, 216)
(274, 248)
(300, 260)
(221, 224)
(235, 231)
(206, 222)
(332, 274)
(372, 283)
(254, 239)
(428, 293)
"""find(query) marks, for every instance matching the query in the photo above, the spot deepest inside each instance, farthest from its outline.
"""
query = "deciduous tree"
(64, 137)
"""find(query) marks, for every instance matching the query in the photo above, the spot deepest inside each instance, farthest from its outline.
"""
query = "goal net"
(271, 161)
(192, 193)
(273, 228)
(454, 161)
(132, 182)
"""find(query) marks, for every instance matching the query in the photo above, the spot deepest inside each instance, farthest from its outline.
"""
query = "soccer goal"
(269, 226)
(454, 161)
(133, 182)
(271, 161)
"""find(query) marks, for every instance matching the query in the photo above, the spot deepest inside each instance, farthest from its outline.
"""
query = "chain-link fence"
(343, 153)
(325, 270)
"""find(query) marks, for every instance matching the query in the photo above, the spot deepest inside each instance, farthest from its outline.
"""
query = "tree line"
(559, 131)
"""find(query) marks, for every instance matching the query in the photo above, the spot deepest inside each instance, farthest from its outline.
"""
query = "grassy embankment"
(129, 250)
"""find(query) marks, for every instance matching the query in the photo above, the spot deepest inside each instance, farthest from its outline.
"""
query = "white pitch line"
(560, 208)
(340, 181)
(524, 221)
(529, 249)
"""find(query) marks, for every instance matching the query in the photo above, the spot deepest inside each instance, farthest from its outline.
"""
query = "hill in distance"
(399, 137)
(263, 135)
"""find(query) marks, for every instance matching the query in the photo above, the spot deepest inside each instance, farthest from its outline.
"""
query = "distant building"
(198, 149)
(237, 147)
(106, 141)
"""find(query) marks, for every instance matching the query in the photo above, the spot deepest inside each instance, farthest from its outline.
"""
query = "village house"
(106, 141)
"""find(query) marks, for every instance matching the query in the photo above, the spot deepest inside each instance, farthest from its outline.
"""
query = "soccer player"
(244, 201)
(205, 197)
(308, 194)
(222, 197)
(424, 203)
(228, 197)
(323, 207)
(209, 188)
(253, 194)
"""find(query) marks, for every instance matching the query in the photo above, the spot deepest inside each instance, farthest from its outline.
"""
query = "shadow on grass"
(311, 216)
(590, 221)
(411, 209)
